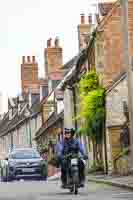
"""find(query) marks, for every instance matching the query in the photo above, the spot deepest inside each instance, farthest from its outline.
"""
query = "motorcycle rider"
(70, 144)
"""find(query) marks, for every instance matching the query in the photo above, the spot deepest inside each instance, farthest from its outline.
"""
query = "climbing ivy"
(92, 109)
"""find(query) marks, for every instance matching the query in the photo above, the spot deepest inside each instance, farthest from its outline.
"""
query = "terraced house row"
(38, 116)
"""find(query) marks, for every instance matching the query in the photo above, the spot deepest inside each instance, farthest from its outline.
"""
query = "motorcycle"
(73, 180)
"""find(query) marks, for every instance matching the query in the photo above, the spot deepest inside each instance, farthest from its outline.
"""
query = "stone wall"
(115, 119)
(111, 43)
(114, 104)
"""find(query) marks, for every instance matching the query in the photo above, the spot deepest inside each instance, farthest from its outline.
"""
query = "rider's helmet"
(69, 131)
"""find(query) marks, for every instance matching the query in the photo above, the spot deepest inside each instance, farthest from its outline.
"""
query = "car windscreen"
(24, 154)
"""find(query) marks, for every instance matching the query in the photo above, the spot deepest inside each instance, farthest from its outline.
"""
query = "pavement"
(119, 181)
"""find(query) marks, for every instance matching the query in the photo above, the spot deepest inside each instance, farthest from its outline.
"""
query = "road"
(51, 191)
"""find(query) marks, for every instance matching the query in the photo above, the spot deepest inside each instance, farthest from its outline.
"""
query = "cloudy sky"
(25, 26)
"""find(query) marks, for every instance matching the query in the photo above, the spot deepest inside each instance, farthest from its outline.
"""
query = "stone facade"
(20, 136)
(114, 103)
(116, 96)
(18, 127)
(110, 43)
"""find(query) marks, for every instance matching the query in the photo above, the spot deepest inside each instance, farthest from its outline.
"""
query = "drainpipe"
(105, 143)
(30, 134)
(101, 67)
(75, 108)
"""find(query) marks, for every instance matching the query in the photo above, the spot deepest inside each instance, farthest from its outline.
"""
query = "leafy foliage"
(92, 107)
(88, 83)
(42, 148)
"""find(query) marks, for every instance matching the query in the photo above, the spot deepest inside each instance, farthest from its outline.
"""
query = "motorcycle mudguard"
(74, 168)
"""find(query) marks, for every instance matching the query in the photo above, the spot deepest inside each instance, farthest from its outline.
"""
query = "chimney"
(33, 59)
(82, 19)
(28, 59)
(23, 59)
(90, 19)
(49, 42)
(57, 42)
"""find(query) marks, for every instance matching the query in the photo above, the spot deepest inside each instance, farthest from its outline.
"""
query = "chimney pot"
(49, 42)
(90, 19)
(56, 42)
(82, 19)
(28, 59)
(33, 59)
(23, 59)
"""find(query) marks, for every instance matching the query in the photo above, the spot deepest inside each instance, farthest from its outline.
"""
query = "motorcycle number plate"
(74, 161)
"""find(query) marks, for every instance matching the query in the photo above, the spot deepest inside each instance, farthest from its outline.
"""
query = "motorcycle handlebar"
(85, 157)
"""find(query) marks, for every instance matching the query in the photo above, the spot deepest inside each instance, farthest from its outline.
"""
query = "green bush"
(44, 168)
(95, 167)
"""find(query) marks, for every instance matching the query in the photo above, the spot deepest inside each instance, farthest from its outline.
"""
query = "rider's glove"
(85, 157)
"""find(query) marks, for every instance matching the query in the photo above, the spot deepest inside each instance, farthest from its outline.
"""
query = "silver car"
(23, 163)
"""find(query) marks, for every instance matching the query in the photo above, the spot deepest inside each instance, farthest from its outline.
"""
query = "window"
(35, 98)
(55, 83)
(44, 91)
(24, 154)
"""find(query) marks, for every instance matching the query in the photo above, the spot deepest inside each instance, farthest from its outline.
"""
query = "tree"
(92, 111)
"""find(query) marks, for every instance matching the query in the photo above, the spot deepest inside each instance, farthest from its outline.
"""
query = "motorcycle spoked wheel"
(74, 189)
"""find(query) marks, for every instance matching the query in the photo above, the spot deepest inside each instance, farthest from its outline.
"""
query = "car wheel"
(3, 179)
(6, 179)
(44, 178)
(4, 175)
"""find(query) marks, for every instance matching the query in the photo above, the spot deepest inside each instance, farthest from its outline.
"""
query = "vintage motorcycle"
(73, 178)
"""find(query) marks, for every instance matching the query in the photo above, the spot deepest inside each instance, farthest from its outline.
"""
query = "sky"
(25, 26)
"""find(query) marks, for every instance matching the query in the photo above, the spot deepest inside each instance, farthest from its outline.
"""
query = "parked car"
(23, 163)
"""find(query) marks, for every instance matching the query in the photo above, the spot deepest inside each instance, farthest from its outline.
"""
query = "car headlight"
(12, 163)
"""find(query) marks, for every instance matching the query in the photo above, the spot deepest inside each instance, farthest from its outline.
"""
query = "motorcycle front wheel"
(75, 190)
